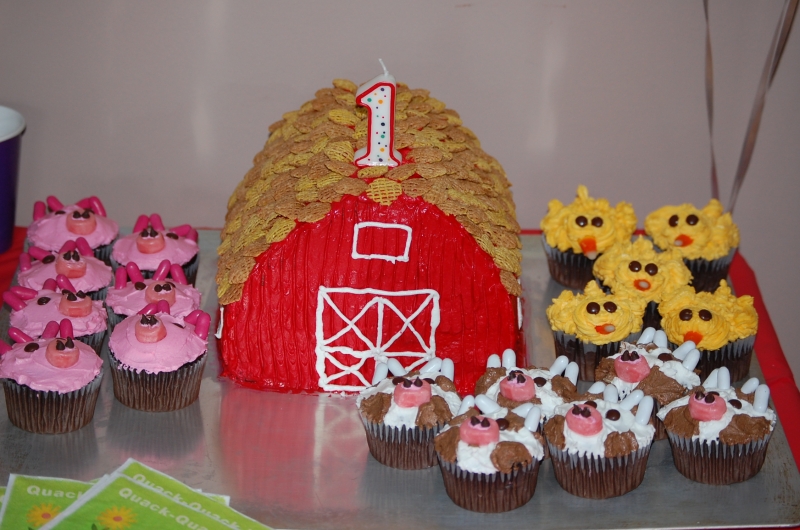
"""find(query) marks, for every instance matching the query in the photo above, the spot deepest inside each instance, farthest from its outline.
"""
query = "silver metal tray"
(301, 461)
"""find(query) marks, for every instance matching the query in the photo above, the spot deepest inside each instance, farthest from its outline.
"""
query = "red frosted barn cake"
(330, 261)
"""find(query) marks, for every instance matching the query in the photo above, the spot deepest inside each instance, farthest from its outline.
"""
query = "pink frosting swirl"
(51, 231)
(31, 368)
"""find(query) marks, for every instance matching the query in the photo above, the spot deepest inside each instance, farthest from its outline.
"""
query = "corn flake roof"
(307, 164)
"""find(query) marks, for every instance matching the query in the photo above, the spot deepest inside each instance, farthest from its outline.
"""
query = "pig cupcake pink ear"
(54, 204)
(157, 223)
(14, 301)
(18, 336)
(63, 282)
(120, 278)
(201, 322)
(68, 246)
(176, 271)
(51, 330)
(149, 309)
(92, 203)
(40, 254)
(39, 210)
(24, 261)
(134, 273)
(50, 285)
(65, 329)
(162, 270)
(142, 222)
(24, 293)
(182, 230)
(192, 235)
(83, 247)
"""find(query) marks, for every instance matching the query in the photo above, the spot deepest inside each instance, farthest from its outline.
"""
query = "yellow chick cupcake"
(706, 239)
(636, 269)
(589, 326)
(722, 326)
(574, 235)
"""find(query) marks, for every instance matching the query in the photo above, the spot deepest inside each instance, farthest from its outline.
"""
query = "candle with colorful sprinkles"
(378, 96)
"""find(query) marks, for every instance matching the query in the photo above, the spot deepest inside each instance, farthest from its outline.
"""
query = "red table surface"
(777, 373)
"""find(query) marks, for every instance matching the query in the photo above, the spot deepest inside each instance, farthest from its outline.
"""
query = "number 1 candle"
(378, 96)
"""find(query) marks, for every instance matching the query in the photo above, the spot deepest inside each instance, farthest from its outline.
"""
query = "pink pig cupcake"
(54, 223)
(74, 260)
(51, 384)
(157, 360)
(168, 283)
(151, 243)
(57, 300)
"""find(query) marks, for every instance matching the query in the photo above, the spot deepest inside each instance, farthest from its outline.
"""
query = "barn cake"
(329, 264)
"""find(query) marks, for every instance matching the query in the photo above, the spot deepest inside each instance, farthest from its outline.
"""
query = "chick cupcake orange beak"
(589, 247)
(683, 241)
(641, 285)
(693, 336)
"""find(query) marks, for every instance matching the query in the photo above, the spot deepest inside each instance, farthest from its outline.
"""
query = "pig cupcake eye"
(692, 219)
(651, 269)
(635, 266)
(48, 259)
(172, 236)
(673, 221)
(581, 221)
(610, 307)
(685, 315)
(704, 314)
(43, 300)
(592, 308)
(31, 347)
(597, 222)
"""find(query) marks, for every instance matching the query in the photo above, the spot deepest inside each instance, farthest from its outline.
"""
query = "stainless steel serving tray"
(301, 461)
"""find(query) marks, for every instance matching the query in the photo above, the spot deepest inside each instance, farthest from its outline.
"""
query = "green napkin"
(31, 502)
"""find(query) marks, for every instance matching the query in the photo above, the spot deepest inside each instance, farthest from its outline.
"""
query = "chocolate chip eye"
(502, 423)
(692, 219)
(397, 380)
(43, 300)
(704, 314)
(613, 414)
(735, 403)
(60, 212)
(611, 307)
(139, 286)
(48, 259)
(665, 357)
(685, 315)
(592, 308)
(76, 214)
(673, 221)
(540, 381)
(635, 266)
(474, 420)
(172, 236)
(591, 404)
(597, 222)
(31, 347)
(651, 269)
(581, 221)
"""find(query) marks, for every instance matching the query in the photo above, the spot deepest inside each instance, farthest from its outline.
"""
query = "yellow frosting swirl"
(585, 220)
(636, 269)
(594, 316)
(708, 233)
(718, 318)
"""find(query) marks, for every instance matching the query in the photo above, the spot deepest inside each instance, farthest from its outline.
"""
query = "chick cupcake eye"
(592, 308)
(704, 314)
(673, 221)
(635, 266)
(685, 315)
(692, 219)
(597, 222)
(581, 221)
(651, 269)
(610, 307)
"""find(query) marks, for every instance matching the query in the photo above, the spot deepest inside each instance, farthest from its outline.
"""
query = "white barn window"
(369, 233)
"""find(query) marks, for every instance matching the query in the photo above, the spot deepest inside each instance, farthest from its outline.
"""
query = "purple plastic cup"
(12, 125)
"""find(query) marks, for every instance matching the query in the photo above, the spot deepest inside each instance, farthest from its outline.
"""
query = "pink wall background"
(160, 106)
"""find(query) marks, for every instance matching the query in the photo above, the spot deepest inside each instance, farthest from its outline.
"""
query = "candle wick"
(385, 71)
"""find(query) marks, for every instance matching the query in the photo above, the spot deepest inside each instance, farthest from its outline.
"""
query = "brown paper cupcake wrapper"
(114, 319)
(735, 356)
(45, 412)
(100, 294)
(593, 477)
(103, 252)
(706, 274)
(161, 392)
(494, 493)
(189, 269)
(568, 268)
(651, 318)
(401, 448)
(717, 463)
(94, 341)
(586, 354)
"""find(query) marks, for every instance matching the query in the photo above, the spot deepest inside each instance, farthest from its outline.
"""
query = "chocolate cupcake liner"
(114, 319)
(594, 477)
(401, 448)
(586, 354)
(103, 252)
(717, 463)
(568, 268)
(489, 493)
(161, 392)
(189, 269)
(735, 356)
(48, 412)
(100, 294)
(651, 318)
(706, 274)
(94, 341)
